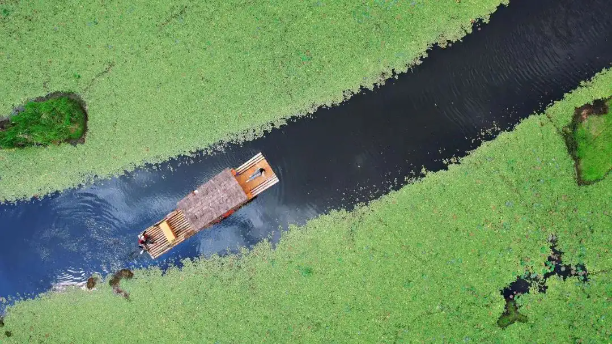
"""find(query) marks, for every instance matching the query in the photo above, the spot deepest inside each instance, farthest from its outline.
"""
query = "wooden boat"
(210, 203)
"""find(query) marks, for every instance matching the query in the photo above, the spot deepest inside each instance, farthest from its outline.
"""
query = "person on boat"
(143, 240)
(261, 172)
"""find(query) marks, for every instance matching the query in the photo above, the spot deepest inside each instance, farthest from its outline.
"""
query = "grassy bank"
(423, 264)
(169, 78)
(45, 122)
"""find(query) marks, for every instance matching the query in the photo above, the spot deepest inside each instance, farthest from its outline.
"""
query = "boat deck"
(210, 203)
(181, 228)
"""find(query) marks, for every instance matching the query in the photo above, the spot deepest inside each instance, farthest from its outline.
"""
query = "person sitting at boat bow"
(143, 240)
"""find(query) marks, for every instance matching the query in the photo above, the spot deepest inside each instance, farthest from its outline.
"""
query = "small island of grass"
(589, 138)
(57, 119)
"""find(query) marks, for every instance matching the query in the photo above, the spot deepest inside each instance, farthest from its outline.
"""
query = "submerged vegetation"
(91, 282)
(162, 79)
(116, 280)
(589, 138)
(423, 264)
(511, 315)
(40, 123)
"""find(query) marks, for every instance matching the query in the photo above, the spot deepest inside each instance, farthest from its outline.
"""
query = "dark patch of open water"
(523, 283)
(529, 55)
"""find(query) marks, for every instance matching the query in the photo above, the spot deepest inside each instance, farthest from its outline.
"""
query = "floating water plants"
(589, 140)
(53, 119)
(116, 279)
(511, 315)
(523, 284)
(91, 282)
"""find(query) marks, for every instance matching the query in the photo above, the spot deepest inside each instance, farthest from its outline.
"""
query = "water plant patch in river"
(589, 140)
(91, 282)
(52, 119)
(116, 280)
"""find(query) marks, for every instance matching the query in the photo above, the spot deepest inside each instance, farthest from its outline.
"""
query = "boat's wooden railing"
(249, 163)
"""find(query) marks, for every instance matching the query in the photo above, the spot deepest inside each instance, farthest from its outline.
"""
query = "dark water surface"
(529, 55)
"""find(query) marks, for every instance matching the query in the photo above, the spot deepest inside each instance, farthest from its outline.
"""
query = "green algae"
(169, 78)
(422, 264)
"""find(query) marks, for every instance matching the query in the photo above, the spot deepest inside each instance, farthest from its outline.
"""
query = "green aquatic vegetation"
(589, 138)
(166, 78)
(595, 147)
(537, 283)
(570, 311)
(511, 315)
(115, 281)
(422, 264)
(305, 270)
(41, 123)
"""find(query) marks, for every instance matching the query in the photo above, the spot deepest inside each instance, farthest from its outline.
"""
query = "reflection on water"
(530, 54)
(70, 278)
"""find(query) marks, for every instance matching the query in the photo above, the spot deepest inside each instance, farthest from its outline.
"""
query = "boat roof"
(212, 199)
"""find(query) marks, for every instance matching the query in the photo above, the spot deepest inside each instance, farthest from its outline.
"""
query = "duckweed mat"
(422, 264)
(171, 78)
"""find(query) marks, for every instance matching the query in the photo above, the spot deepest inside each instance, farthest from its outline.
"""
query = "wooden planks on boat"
(212, 200)
(181, 228)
